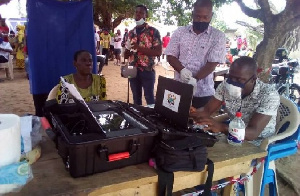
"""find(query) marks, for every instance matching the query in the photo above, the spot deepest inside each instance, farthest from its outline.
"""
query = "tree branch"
(118, 20)
(248, 11)
(265, 7)
(292, 24)
(291, 10)
(259, 28)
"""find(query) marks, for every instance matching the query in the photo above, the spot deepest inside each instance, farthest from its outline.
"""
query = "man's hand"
(212, 125)
(193, 82)
(201, 117)
(185, 75)
(198, 114)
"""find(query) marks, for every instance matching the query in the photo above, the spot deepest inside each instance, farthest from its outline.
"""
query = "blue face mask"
(1, 40)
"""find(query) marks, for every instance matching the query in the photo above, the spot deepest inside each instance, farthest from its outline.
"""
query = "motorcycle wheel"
(294, 93)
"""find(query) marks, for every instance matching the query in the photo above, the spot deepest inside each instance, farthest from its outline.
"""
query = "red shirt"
(229, 57)
(4, 30)
(166, 41)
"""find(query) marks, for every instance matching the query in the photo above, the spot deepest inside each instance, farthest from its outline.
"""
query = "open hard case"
(105, 138)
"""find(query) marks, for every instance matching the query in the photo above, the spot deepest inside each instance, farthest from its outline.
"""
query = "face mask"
(140, 22)
(1, 40)
(200, 26)
(235, 88)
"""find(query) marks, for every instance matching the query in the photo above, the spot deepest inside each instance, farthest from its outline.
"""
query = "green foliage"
(254, 38)
(177, 12)
(218, 22)
(106, 11)
(170, 12)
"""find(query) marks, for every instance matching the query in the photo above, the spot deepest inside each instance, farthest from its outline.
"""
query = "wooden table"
(51, 178)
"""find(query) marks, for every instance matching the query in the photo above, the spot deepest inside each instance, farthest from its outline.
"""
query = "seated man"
(91, 87)
(243, 92)
(5, 49)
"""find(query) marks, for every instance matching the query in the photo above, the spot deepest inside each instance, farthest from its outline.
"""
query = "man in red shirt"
(165, 42)
(4, 29)
(229, 58)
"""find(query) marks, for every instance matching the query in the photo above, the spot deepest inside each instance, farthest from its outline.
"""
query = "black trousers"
(199, 102)
(39, 103)
(105, 51)
(3, 59)
(101, 62)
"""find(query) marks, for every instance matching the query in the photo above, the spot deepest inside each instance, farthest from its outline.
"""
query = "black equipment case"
(115, 139)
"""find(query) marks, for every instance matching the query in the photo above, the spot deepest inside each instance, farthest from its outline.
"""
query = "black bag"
(185, 153)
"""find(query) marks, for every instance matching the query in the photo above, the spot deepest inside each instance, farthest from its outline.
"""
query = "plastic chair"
(283, 144)
(9, 68)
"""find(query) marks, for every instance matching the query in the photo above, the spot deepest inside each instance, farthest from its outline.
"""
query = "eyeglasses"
(237, 79)
(238, 83)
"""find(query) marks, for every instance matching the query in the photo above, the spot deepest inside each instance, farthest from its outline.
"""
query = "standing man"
(117, 46)
(97, 41)
(125, 37)
(112, 46)
(165, 41)
(145, 43)
(105, 37)
(195, 50)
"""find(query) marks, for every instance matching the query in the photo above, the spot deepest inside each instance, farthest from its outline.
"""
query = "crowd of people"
(236, 48)
(12, 44)
(193, 51)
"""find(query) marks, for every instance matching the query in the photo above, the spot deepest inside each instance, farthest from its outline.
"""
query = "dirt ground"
(15, 97)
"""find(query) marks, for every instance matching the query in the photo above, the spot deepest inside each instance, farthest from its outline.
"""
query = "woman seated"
(92, 87)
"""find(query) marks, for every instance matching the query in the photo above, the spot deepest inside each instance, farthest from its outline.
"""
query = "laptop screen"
(173, 100)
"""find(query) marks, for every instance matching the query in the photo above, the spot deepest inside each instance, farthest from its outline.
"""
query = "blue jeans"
(144, 80)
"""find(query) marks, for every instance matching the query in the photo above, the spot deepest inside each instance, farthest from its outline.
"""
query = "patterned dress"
(20, 56)
(95, 92)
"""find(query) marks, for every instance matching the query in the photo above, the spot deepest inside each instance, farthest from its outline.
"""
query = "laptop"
(173, 101)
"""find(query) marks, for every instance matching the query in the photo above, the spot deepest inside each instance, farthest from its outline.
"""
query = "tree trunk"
(276, 26)
(265, 52)
(103, 13)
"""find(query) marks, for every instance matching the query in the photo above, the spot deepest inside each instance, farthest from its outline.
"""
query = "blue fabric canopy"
(55, 31)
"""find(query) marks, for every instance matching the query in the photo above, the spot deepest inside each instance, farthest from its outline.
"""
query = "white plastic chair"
(9, 69)
(278, 146)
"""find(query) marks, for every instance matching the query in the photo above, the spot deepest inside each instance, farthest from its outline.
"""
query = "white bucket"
(10, 137)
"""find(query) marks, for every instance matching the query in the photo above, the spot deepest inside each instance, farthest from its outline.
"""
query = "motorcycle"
(283, 79)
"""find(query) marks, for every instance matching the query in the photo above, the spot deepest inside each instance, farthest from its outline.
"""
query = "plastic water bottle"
(236, 131)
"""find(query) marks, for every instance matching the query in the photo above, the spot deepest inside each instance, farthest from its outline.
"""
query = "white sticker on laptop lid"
(171, 100)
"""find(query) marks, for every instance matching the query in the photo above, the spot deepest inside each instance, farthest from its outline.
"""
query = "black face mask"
(200, 26)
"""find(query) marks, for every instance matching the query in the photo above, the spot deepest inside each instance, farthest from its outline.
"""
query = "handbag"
(182, 153)
(128, 71)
